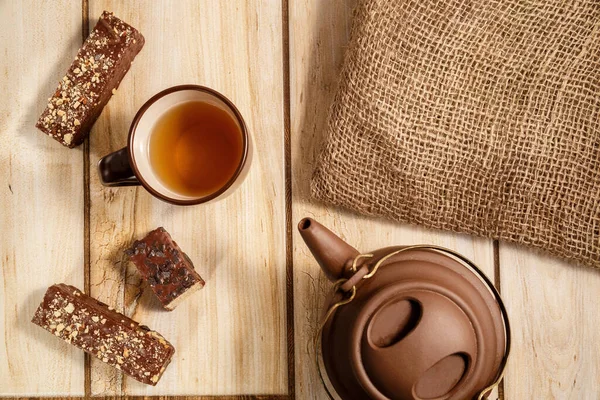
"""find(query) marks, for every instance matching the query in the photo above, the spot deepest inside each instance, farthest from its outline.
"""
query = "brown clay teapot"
(407, 323)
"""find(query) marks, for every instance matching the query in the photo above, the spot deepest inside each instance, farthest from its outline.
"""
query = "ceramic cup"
(131, 166)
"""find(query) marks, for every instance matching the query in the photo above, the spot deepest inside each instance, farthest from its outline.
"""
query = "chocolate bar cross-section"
(168, 270)
(104, 333)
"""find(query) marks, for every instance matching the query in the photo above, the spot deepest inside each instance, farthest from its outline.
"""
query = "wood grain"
(319, 31)
(554, 311)
(230, 337)
(41, 197)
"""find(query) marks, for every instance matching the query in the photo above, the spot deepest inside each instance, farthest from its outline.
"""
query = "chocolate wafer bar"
(104, 333)
(169, 271)
(92, 79)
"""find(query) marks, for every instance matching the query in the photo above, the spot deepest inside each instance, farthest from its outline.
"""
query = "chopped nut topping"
(68, 138)
(70, 308)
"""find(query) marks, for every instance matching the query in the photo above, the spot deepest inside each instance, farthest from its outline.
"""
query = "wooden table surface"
(248, 332)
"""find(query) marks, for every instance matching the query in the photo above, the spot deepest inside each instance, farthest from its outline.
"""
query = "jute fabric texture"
(475, 116)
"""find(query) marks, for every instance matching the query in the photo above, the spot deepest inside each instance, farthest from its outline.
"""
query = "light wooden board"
(555, 314)
(231, 336)
(319, 30)
(41, 197)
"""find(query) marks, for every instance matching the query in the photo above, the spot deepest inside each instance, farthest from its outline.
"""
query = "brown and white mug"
(130, 166)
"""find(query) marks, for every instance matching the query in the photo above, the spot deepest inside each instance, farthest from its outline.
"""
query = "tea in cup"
(187, 145)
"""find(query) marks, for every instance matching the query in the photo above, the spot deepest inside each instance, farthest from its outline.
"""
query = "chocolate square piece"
(104, 333)
(92, 79)
(168, 270)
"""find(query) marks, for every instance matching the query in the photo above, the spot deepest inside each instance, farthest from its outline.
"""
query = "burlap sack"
(476, 116)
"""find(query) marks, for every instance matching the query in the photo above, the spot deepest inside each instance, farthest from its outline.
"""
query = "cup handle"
(114, 169)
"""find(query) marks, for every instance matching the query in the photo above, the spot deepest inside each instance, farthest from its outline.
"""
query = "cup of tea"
(187, 145)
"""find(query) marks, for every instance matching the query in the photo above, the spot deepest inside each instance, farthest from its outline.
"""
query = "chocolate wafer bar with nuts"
(169, 271)
(104, 333)
(92, 79)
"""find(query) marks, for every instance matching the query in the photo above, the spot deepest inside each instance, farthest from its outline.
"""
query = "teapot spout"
(331, 252)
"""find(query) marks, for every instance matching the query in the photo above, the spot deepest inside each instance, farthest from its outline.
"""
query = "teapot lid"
(427, 325)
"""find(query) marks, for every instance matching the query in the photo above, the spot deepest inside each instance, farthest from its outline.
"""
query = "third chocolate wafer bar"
(104, 333)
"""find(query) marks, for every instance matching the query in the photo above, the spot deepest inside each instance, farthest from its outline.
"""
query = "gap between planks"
(85, 31)
(289, 247)
(497, 283)
(234, 397)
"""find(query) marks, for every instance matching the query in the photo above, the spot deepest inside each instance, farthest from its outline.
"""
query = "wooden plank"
(319, 31)
(553, 307)
(41, 197)
(230, 337)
